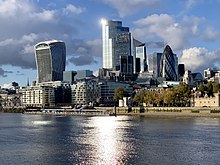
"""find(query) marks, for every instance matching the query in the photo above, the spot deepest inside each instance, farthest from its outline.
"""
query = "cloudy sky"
(190, 27)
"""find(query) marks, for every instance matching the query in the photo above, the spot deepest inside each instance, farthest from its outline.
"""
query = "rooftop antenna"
(28, 82)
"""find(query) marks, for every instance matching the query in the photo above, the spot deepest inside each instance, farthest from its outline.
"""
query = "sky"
(190, 27)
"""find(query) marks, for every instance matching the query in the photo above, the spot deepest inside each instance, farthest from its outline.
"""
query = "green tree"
(139, 98)
(203, 89)
(159, 97)
(216, 87)
(149, 97)
(182, 94)
(169, 97)
(119, 93)
(210, 89)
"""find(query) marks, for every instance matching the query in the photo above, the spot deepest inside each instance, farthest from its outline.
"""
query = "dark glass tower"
(168, 64)
(50, 60)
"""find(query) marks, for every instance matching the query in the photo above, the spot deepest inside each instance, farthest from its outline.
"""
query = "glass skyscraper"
(141, 61)
(50, 60)
(110, 29)
(154, 63)
(169, 64)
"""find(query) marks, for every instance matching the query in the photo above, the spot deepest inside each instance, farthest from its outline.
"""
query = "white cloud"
(210, 34)
(198, 59)
(10, 8)
(96, 46)
(129, 7)
(164, 27)
(191, 3)
(7, 86)
(24, 23)
(73, 9)
(45, 15)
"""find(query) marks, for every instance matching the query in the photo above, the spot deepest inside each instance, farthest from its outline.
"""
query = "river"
(137, 140)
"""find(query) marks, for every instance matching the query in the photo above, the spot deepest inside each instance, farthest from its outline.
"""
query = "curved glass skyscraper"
(50, 60)
(168, 64)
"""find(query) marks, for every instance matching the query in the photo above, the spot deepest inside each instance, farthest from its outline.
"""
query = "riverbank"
(142, 111)
(134, 111)
(167, 111)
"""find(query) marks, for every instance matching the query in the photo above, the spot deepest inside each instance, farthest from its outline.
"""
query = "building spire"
(28, 82)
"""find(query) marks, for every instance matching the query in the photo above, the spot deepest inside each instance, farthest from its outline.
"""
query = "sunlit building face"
(50, 60)
(141, 63)
(110, 29)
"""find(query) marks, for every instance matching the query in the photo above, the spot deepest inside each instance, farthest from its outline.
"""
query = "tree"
(203, 89)
(182, 94)
(139, 98)
(120, 93)
(149, 97)
(169, 97)
(210, 89)
(216, 87)
(159, 96)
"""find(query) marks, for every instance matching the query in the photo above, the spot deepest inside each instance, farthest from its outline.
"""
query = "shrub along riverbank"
(12, 110)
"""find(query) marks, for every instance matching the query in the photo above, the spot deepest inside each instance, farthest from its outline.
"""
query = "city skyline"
(192, 33)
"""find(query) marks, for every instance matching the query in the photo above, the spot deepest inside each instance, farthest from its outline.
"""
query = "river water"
(48, 139)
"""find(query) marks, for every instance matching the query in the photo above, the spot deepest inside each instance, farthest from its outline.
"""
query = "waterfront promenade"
(146, 111)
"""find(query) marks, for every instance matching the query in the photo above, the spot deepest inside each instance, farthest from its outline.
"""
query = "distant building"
(123, 57)
(212, 75)
(81, 74)
(47, 94)
(38, 96)
(119, 47)
(181, 71)
(50, 60)
(141, 59)
(85, 91)
(110, 29)
(68, 76)
(168, 64)
(193, 79)
(108, 90)
(154, 63)
(208, 73)
(207, 101)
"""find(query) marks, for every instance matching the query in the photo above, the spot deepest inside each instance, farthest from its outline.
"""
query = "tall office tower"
(50, 60)
(110, 29)
(154, 63)
(168, 64)
(123, 57)
(141, 60)
(181, 69)
(135, 44)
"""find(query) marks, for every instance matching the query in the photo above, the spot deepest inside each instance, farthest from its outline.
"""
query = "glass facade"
(110, 29)
(50, 60)
(169, 61)
(154, 63)
(81, 74)
(68, 76)
(141, 63)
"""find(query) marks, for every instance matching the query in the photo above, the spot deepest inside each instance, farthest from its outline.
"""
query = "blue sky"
(190, 27)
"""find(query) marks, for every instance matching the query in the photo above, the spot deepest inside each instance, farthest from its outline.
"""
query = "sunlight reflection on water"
(108, 137)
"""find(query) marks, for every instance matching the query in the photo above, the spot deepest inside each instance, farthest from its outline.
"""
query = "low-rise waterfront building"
(108, 90)
(207, 101)
(47, 94)
(38, 96)
(85, 91)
